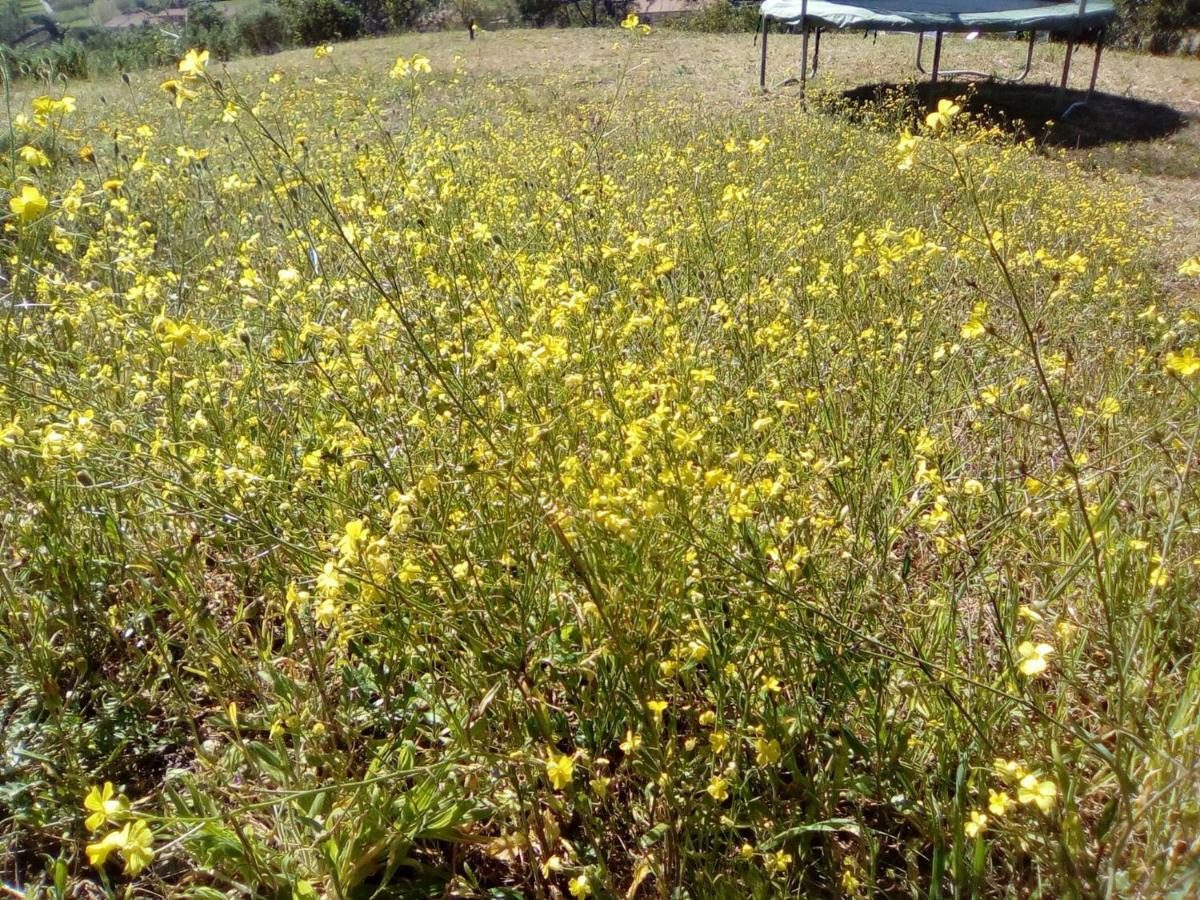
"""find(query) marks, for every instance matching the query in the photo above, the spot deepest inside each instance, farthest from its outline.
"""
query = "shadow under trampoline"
(1032, 110)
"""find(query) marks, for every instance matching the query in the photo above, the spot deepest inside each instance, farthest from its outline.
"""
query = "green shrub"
(263, 30)
(128, 51)
(380, 16)
(1155, 24)
(486, 13)
(721, 17)
(65, 60)
(318, 21)
(208, 29)
(13, 21)
(538, 12)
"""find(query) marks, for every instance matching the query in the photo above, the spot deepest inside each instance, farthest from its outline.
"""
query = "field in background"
(546, 466)
(1163, 93)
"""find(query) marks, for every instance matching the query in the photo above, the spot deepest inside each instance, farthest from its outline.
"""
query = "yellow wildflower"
(1041, 793)
(976, 325)
(560, 769)
(99, 851)
(138, 839)
(976, 824)
(1158, 574)
(778, 862)
(942, 117)
(104, 804)
(193, 63)
(1033, 658)
(767, 752)
(33, 157)
(1184, 364)
(29, 204)
(998, 802)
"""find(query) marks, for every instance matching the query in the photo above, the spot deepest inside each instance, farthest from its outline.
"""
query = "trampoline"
(1077, 20)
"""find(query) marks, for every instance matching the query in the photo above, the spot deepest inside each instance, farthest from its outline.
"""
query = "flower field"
(413, 484)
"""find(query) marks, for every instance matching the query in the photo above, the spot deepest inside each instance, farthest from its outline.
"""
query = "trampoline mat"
(943, 15)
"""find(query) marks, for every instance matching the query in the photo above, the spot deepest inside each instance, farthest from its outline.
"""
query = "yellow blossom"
(940, 119)
(767, 752)
(29, 204)
(1035, 791)
(1158, 574)
(193, 63)
(104, 804)
(998, 802)
(1033, 658)
(99, 851)
(975, 824)
(138, 839)
(1109, 408)
(718, 789)
(1185, 364)
(33, 157)
(778, 862)
(976, 325)
(133, 842)
(560, 769)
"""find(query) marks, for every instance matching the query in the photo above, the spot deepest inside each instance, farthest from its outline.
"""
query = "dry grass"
(724, 68)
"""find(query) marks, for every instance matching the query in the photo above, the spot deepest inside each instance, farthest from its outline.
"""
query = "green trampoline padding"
(943, 15)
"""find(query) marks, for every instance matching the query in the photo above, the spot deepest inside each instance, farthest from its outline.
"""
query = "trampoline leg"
(762, 68)
(1096, 64)
(937, 58)
(1028, 58)
(816, 52)
(1066, 73)
(804, 62)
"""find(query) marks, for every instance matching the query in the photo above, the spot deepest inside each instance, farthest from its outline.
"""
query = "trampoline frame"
(951, 73)
(936, 71)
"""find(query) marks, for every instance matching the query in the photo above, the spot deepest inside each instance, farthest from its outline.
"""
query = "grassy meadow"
(428, 472)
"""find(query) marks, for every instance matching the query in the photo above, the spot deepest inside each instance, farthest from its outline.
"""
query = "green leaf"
(849, 826)
(654, 835)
